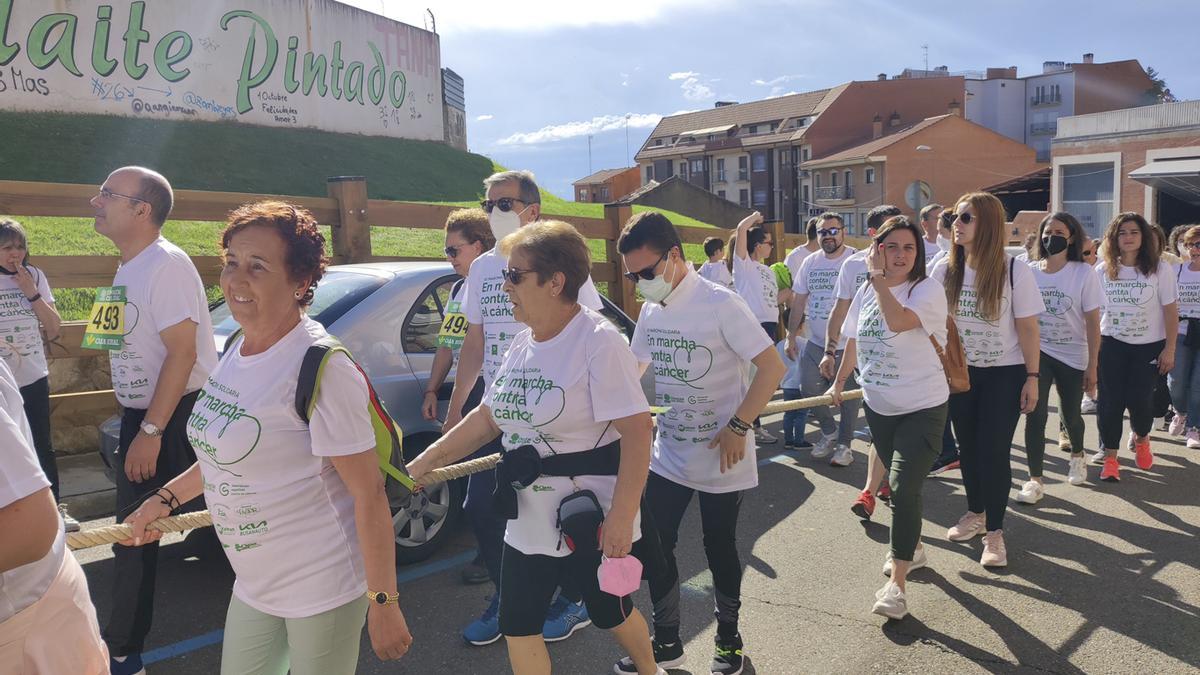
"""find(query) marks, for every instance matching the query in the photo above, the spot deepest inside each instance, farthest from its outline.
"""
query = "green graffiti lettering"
(314, 69)
(380, 71)
(135, 35)
(289, 68)
(354, 82)
(103, 65)
(64, 47)
(7, 52)
(397, 100)
(164, 58)
(335, 77)
(248, 81)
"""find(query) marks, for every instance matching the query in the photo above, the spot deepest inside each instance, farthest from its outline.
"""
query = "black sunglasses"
(505, 204)
(829, 232)
(648, 273)
(514, 275)
(452, 251)
(965, 217)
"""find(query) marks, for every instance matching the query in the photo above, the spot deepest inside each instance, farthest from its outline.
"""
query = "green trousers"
(324, 644)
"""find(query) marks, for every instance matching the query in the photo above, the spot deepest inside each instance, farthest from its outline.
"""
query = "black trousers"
(36, 396)
(667, 501)
(985, 419)
(1128, 375)
(135, 567)
(528, 581)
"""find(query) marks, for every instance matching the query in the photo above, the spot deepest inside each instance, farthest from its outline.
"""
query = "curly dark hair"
(303, 242)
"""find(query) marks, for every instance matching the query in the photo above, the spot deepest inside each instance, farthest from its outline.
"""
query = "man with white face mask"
(698, 337)
(512, 201)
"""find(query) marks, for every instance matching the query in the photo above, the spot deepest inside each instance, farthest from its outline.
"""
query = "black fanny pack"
(521, 467)
(1192, 338)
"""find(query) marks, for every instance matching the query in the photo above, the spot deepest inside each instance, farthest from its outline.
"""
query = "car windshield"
(337, 292)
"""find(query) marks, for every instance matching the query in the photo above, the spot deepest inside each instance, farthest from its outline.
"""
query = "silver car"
(388, 315)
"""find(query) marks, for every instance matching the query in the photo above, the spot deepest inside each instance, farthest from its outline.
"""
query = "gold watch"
(381, 598)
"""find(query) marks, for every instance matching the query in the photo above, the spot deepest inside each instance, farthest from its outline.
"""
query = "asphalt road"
(1102, 578)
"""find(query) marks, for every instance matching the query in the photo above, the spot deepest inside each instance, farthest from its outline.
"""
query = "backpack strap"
(1012, 263)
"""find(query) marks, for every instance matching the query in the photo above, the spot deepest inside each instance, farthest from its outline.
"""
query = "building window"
(583, 194)
(849, 183)
(848, 221)
(816, 181)
(804, 154)
(697, 167)
(649, 173)
(721, 194)
(760, 198)
(603, 194)
(683, 169)
(804, 196)
(744, 198)
(752, 129)
(721, 170)
(658, 141)
(1087, 194)
(868, 175)
(759, 161)
(833, 179)
(743, 168)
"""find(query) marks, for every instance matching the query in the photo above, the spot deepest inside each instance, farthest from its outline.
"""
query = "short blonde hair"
(553, 246)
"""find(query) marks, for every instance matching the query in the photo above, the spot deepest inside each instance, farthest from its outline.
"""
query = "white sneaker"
(1031, 492)
(919, 560)
(968, 527)
(69, 523)
(843, 456)
(1088, 406)
(824, 447)
(1077, 471)
(1098, 457)
(762, 437)
(890, 602)
(994, 552)
(1193, 438)
(1178, 425)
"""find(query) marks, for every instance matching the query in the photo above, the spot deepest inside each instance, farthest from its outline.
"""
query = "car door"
(418, 335)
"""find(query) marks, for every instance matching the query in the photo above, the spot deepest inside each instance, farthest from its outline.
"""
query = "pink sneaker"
(994, 552)
(1178, 425)
(1193, 438)
(1145, 458)
(968, 527)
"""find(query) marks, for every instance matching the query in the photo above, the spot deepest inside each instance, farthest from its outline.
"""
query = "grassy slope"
(234, 158)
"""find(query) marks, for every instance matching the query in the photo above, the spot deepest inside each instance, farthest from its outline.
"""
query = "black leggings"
(528, 582)
(36, 396)
(1069, 383)
(1128, 374)
(985, 419)
(667, 501)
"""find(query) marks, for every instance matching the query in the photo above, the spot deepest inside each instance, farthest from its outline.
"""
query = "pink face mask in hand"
(619, 576)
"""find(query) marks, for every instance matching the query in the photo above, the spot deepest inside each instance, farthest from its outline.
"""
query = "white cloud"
(464, 16)
(775, 82)
(693, 88)
(682, 76)
(561, 132)
(483, 118)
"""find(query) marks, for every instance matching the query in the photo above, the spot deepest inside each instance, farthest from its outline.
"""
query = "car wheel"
(429, 520)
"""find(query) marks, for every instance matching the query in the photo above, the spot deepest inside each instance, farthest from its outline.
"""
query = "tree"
(1158, 91)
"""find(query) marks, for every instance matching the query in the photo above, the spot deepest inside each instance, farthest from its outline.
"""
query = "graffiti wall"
(290, 63)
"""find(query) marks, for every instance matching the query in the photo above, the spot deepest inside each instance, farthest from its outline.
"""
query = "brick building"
(607, 185)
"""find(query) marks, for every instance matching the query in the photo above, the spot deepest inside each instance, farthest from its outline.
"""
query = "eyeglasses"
(452, 251)
(505, 204)
(107, 194)
(648, 273)
(514, 275)
(766, 243)
(829, 232)
(1192, 244)
(965, 217)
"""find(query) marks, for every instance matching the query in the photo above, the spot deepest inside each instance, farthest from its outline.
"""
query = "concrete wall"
(681, 197)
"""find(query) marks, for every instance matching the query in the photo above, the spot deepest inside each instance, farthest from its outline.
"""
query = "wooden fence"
(346, 210)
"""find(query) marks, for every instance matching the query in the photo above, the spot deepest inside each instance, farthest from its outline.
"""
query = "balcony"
(1043, 101)
(1043, 128)
(835, 193)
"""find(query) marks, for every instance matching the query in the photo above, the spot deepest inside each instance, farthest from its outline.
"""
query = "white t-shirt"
(757, 285)
(900, 373)
(1188, 283)
(1133, 303)
(718, 273)
(931, 250)
(852, 275)
(797, 256)
(994, 342)
(21, 344)
(488, 306)
(559, 396)
(280, 508)
(818, 279)
(1067, 294)
(162, 289)
(700, 345)
(21, 476)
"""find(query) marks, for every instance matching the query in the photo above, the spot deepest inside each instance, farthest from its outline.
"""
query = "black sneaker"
(475, 573)
(727, 659)
(665, 655)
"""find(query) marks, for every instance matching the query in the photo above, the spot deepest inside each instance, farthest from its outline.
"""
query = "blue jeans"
(1184, 381)
(793, 420)
(812, 383)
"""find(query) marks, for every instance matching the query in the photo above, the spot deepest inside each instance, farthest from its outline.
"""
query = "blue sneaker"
(563, 619)
(486, 629)
(132, 665)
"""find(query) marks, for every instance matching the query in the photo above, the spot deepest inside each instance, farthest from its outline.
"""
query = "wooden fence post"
(621, 290)
(351, 231)
(779, 250)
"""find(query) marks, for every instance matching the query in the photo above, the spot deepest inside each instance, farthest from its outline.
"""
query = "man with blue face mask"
(699, 337)
(512, 201)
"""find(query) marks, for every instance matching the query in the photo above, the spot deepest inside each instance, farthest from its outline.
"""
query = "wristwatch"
(381, 598)
(150, 429)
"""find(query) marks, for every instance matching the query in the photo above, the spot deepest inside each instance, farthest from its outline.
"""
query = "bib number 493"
(106, 320)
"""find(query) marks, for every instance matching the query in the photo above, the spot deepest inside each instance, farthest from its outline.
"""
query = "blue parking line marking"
(215, 637)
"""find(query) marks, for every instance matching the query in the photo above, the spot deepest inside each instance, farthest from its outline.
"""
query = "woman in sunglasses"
(568, 407)
(1185, 376)
(995, 302)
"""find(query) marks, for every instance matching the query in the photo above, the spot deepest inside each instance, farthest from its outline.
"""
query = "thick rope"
(112, 534)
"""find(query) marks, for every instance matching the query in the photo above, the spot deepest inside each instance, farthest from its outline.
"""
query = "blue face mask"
(657, 289)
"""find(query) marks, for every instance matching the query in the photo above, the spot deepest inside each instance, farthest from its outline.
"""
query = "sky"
(541, 76)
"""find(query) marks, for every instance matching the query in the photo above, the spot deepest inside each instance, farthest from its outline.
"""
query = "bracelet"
(427, 393)
(1033, 375)
(735, 429)
(172, 503)
(35, 298)
(738, 425)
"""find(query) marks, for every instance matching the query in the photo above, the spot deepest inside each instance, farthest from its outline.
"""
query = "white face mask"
(657, 289)
(505, 223)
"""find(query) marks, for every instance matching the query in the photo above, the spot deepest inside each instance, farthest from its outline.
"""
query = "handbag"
(953, 358)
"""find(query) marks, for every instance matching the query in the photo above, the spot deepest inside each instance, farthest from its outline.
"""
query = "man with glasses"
(814, 292)
(512, 201)
(694, 334)
(154, 322)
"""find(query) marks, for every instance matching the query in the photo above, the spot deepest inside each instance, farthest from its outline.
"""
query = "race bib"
(454, 327)
(106, 320)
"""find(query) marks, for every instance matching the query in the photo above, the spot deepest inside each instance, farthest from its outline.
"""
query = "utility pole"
(589, 154)
(925, 48)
